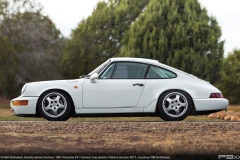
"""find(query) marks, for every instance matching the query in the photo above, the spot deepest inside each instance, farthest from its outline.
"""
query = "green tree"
(8, 68)
(229, 83)
(36, 43)
(99, 36)
(178, 33)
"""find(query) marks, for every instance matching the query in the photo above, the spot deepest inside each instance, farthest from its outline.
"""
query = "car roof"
(149, 61)
(144, 60)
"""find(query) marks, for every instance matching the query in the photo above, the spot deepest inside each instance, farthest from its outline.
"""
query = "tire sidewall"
(165, 116)
(65, 116)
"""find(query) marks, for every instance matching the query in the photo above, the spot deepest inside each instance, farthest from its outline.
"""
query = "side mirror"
(94, 77)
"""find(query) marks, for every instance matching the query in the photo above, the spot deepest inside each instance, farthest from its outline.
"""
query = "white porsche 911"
(121, 86)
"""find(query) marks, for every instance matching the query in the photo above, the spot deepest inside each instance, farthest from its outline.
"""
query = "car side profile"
(121, 86)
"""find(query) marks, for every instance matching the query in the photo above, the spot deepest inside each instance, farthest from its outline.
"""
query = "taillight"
(216, 95)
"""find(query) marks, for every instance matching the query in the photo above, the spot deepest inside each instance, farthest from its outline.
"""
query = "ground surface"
(120, 138)
(195, 136)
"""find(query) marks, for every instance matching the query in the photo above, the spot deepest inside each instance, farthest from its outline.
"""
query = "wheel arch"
(73, 113)
(193, 112)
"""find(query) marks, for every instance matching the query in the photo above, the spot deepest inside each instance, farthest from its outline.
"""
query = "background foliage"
(31, 45)
(230, 81)
(8, 67)
(178, 33)
(98, 37)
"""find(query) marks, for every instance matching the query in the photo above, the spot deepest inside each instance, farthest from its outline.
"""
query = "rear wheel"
(55, 105)
(174, 105)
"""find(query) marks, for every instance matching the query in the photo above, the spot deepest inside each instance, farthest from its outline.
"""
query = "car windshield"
(100, 68)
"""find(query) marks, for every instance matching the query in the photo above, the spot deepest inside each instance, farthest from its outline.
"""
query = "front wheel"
(54, 105)
(174, 105)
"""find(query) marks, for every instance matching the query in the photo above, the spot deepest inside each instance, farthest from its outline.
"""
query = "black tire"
(171, 107)
(55, 105)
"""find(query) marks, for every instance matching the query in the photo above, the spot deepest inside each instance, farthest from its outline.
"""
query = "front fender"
(74, 89)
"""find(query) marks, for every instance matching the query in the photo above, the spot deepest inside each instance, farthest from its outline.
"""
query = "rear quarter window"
(160, 73)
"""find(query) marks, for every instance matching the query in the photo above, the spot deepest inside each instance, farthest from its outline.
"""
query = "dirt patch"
(119, 138)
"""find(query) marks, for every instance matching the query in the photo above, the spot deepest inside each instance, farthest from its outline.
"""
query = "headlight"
(24, 88)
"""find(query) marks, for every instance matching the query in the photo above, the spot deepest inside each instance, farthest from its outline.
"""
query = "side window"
(128, 70)
(108, 72)
(159, 73)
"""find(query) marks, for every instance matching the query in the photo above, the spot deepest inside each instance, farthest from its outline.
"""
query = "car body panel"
(210, 104)
(29, 109)
(108, 110)
(155, 87)
(151, 108)
(141, 60)
(112, 93)
(65, 85)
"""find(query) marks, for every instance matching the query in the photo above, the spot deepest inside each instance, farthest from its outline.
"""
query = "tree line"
(178, 33)
(30, 46)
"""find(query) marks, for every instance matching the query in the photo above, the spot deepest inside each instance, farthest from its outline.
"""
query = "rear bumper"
(210, 104)
(29, 109)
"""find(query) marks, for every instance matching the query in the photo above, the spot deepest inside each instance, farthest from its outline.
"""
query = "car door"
(120, 85)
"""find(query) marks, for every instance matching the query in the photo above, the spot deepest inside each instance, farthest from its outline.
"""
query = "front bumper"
(210, 104)
(27, 109)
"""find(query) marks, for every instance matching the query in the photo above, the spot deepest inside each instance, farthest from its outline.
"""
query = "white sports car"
(121, 86)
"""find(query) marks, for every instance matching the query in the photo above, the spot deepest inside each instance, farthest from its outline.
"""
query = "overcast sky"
(66, 14)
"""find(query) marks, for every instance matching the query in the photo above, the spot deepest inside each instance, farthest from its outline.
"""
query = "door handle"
(138, 84)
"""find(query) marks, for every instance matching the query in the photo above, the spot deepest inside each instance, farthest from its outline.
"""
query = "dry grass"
(4, 112)
(232, 114)
(235, 108)
(5, 109)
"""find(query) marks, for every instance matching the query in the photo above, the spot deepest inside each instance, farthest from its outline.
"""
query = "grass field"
(7, 115)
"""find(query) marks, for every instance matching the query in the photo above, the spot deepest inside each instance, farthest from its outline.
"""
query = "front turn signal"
(20, 103)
